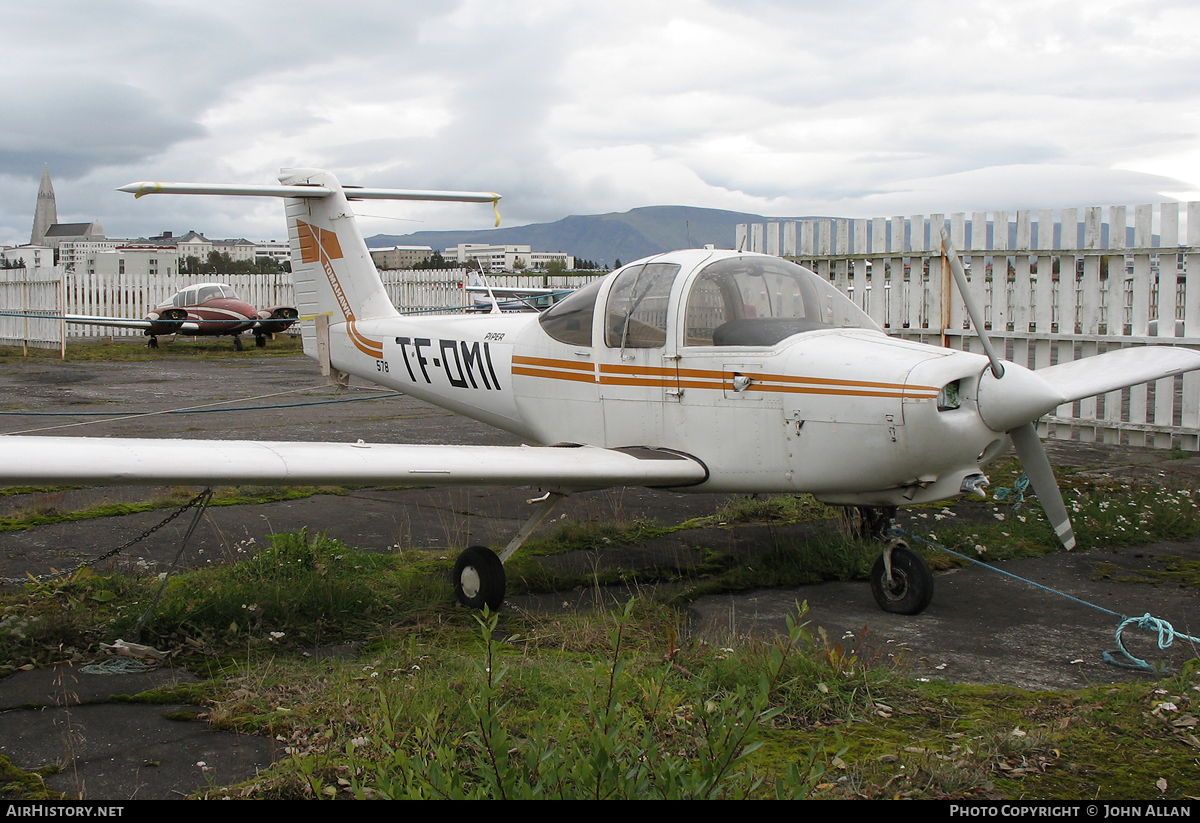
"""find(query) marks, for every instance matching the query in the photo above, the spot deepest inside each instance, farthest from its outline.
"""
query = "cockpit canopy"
(743, 300)
(195, 295)
(758, 301)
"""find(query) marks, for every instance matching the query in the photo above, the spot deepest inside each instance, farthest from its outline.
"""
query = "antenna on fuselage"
(486, 285)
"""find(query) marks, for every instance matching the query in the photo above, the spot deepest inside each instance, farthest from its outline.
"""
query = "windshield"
(758, 301)
(570, 320)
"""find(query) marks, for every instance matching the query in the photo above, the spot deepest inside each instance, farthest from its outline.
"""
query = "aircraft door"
(720, 391)
(637, 370)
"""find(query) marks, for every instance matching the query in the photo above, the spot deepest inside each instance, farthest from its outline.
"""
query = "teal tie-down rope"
(1017, 492)
(1166, 632)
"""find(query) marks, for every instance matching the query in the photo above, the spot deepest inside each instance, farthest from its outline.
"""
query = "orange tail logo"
(319, 245)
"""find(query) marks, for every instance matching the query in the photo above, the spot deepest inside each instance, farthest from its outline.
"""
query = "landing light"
(948, 397)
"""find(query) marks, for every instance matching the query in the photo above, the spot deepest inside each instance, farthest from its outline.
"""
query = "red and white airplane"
(203, 310)
(700, 370)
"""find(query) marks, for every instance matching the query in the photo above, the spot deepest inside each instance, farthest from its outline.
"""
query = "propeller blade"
(1041, 477)
(973, 311)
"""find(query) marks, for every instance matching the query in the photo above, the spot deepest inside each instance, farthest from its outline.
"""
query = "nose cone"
(1017, 398)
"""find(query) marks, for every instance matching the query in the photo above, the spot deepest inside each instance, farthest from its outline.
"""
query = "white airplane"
(491, 298)
(697, 371)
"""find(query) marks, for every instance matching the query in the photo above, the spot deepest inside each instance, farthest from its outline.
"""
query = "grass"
(134, 349)
(612, 703)
(46, 513)
(434, 701)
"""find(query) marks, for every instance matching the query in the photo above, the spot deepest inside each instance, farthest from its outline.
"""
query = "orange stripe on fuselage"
(552, 364)
(548, 368)
(366, 345)
(577, 377)
(659, 377)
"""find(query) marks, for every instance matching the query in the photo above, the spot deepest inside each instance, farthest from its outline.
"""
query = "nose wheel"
(479, 578)
(901, 580)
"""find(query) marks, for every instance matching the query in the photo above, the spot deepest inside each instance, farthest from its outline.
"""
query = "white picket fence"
(442, 291)
(30, 291)
(52, 291)
(1053, 289)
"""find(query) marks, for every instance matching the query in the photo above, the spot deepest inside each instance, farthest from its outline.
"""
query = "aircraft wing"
(1117, 369)
(179, 326)
(112, 322)
(515, 291)
(129, 461)
(85, 319)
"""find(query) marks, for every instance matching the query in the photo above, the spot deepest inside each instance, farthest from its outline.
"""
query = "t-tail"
(332, 269)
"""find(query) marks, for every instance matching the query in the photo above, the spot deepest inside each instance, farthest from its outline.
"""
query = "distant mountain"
(641, 232)
(601, 237)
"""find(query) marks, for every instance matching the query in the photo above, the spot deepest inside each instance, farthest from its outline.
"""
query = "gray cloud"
(75, 126)
(771, 106)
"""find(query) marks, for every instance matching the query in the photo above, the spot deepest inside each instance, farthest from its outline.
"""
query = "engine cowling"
(166, 321)
(276, 319)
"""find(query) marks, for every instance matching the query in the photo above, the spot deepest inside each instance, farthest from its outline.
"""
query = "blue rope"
(1166, 632)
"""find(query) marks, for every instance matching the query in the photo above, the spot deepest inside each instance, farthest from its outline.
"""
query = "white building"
(507, 258)
(151, 260)
(400, 257)
(73, 252)
(32, 257)
(240, 250)
(274, 249)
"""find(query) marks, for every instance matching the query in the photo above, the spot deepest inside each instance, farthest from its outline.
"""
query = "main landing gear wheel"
(153, 343)
(237, 343)
(911, 586)
(479, 578)
(260, 342)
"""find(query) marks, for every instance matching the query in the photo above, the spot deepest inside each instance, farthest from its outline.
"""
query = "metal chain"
(195, 501)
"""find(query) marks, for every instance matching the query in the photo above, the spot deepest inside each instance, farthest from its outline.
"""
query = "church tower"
(46, 213)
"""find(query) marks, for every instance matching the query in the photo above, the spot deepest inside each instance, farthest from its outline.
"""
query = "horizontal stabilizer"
(143, 188)
(1117, 369)
(33, 461)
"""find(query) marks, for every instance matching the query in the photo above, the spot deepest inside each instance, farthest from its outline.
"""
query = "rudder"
(332, 269)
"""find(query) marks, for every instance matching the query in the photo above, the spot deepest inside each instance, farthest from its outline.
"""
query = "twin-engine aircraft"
(699, 370)
(203, 310)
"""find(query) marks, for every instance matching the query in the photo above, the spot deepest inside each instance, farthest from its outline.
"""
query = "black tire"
(912, 582)
(260, 342)
(237, 343)
(153, 343)
(479, 578)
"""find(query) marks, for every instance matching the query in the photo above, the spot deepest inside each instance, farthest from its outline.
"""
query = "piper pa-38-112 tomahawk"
(699, 370)
(203, 310)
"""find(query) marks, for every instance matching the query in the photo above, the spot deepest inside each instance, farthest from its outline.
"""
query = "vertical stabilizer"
(331, 267)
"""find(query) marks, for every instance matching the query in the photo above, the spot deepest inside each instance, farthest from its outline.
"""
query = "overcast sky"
(779, 107)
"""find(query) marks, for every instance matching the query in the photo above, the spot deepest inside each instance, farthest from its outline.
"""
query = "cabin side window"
(636, 317)
(758, 301)
(570, 320)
